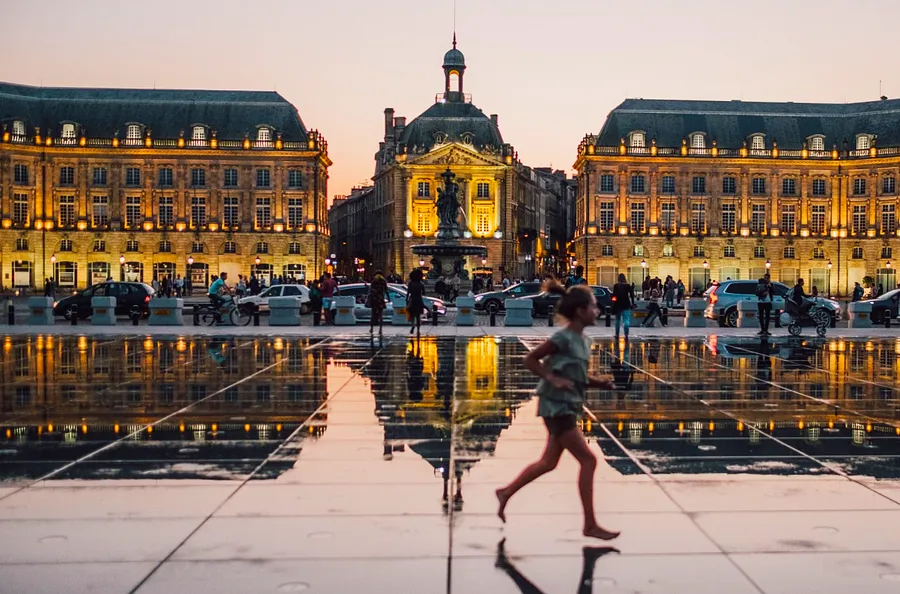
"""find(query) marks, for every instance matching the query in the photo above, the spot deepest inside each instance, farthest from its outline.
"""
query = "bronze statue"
(447, 205)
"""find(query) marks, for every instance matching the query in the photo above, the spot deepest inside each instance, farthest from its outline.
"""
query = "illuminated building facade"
(707, 190)
(137, 184)
(506, 208)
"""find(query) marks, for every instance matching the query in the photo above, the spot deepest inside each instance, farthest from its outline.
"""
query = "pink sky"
(552, 70)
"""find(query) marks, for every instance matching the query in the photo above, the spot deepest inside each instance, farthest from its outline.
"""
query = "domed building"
(517, 212)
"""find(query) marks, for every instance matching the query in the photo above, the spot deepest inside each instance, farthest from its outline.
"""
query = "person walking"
(622, 303)
(679, 291)
(315, 302)
(765, 296)
(375, 302)
(654, 311)
(327, 287)
(415, 301)
(857, 292)
(562, 364)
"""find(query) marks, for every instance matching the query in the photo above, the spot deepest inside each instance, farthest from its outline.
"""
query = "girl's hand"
(602, 381)
(560, 382)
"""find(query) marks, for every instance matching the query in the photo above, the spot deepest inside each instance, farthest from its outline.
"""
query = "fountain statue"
(447, 253)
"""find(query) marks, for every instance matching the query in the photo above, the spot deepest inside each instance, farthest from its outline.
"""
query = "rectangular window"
(789, 253)
(698, 218)
(295, 213)
(667, 220)
(482, 221)
(759, 186)
(818, 187)
(231, 177)
(607, 216)
(789, 186)
(66, 176)
(607, 183)
(198, 212)
(166, 211)
(889, 185)
(859, 186)
(728, 251)
(423, 190)
(888, 219)
(698, 184)
(100, 211)
(606, 250)
(859, 223)
(729, 185)
(165, 177)
(198, 177)
(263, 213)
(758, 218)
(99, 245)
(133, 212)
(133, 176)
(67, 211)
(638, 217)
(20, 210)
(295, 179)
(638, 184)
(230, 214)
(668, 184)
(484, 190)
(788, 219)
(99, 177)
(423, 222)
(20, 174)
(263, 178)
(817, 219)
(729, 220)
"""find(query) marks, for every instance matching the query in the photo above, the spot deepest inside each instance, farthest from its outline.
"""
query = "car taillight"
(712, 296)
(147, 299)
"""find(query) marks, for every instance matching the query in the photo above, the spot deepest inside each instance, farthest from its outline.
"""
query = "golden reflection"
(482, 358)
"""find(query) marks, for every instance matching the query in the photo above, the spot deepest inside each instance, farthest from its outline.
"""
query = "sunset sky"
(552, 70)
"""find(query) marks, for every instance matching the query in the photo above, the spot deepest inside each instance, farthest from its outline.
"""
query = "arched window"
(638, 140)
(18, 128)
(638, 251)
(134, 134)
(817, 143)
(758, 143)
(466, 138)
(68, 131)
(454, 81)
(199, 133)
(698, 141)
(862, 142)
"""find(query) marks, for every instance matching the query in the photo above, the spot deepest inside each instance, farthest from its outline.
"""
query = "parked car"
(543, 300)
(886, 304)
(128, 296)
(722, 299)
(262, 300)
(363, 314)
(484, 301)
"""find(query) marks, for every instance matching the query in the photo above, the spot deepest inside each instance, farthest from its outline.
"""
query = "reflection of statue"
(448, 202)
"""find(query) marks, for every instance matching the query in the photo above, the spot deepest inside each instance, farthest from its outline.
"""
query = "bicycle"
(236, 313)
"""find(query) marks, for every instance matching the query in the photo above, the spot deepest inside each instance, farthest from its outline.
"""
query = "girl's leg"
(573, 440)
(525, 586)
(547, 462)
(618, 323)
(626, 321)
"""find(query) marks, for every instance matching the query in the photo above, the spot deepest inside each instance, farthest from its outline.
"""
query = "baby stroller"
(793, 317)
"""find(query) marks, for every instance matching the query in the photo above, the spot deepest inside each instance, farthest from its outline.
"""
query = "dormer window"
(817, 143)
(68, 131)
(440, 138)
(638, 140)
(199, 133)
(758, 143)
(133, 134)
(264, 136)
(863, 142)
(467, 138)
(698, 141)
(18, 128)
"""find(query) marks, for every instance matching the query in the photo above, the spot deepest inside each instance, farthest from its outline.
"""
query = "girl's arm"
(533, 363)
(601, 381)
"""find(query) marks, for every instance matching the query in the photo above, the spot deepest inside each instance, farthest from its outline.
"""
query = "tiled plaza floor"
(157, 463)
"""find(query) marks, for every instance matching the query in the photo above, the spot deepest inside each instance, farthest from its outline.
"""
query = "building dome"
(446, 122)
(454, 57)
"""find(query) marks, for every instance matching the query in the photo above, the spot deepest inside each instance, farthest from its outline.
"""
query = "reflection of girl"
(562, 364)
(590, 555)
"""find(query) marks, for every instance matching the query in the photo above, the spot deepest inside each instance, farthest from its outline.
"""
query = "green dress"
(571, 362)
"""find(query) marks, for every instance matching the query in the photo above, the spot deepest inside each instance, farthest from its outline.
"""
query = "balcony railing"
(587, 149)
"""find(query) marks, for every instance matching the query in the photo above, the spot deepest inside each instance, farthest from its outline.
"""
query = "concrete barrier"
(40, 311)
(345, 311)
(693, 313)
(859, 314)
(284, 311)
(519, 312)
(465, 311)
(166, 311)
(747, 314)
(104, 311)
(399, 316)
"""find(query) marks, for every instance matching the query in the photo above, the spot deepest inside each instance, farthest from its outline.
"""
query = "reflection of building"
(708, 189)
(92, 176)
(517, 212)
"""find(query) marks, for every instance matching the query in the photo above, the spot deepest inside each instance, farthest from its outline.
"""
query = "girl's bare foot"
(598, 532)
(502, 497)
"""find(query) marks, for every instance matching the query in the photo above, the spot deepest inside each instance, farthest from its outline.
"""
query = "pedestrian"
(188, 286)
(679, 291)
(166, 286)
(327, 287)
(375, 302)
(653, 309)
(315, 302)
(562, 364)
(857, 292)
(765, 297)
(622, 303)
(645, 287)
(179, 286)
(505, 282)
(669, 289)
(155, 284)
(415, 302)
(254, 285)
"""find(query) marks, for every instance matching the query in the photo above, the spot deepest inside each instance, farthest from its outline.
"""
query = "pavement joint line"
(259, 467)
(143, 428)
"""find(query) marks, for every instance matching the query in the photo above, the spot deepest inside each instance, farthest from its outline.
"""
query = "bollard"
(664, 316)
(74, 315)
(135, 316)
(608, 316)
(196, 310)
(434, 315)
(316, 316)
(256, 315)
(887, 318)
(493, 311)
(550, 315)
(10, 312)
(777, 314)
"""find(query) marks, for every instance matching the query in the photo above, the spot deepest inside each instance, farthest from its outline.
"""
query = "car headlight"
(479, 298)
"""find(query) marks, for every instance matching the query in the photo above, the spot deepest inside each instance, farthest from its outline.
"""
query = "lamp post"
(122, 267)
(53, 270)
(768, 265)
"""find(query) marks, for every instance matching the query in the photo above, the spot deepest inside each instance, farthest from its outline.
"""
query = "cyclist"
(218, 294)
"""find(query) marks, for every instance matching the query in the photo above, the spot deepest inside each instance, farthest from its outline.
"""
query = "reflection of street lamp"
(122, 267)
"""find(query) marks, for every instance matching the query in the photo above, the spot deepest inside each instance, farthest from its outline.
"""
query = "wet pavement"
(153, 463)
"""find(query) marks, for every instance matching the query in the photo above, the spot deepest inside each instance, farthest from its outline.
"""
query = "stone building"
(136, 184)
(500, 196)
(710, 190)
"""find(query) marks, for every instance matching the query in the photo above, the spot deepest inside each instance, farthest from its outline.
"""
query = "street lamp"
(257, 260)
(705, 264)
(498, 234)
(888, 265)
(421, 262)
(408, 234)
(829, 278)
(483, 262)
(768, 265)
(53, 268)
(122, 267)
(190, 260)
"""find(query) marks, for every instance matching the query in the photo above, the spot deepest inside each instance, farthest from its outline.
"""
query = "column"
(247, 200)
(713, 212)
(873, 201)
(804, 201)
(181, 207)
(623, 200)
(744, 221)
(278, 209)
(773, 216)
(654, 198)
(82, 193)
(42, 185)
(215, 195)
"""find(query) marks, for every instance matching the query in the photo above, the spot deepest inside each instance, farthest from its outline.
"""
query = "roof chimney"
(884, 97)
(399, 125)
(388, 123)
(494, 118)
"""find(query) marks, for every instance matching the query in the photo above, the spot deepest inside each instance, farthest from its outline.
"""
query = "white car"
(262, 300)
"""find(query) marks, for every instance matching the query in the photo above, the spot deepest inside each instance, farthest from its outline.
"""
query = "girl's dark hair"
(416, 275)
(574, 298)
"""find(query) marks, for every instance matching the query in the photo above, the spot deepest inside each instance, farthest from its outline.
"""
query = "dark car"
(885, 305)
(483, 301)
(543, 300)
(128, 296)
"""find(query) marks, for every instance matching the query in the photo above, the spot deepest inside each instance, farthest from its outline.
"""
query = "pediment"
(455, 154)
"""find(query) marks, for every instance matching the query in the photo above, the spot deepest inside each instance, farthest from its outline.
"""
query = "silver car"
(722, 299)
(363, 314)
